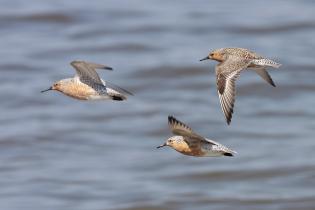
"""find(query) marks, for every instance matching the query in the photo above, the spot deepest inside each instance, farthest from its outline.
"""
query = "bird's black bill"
(163, 145)
(206, 58)
(46, 90)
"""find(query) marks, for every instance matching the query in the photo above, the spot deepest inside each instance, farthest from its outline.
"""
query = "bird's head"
(173, 142)
(59, 85)
(218, 55)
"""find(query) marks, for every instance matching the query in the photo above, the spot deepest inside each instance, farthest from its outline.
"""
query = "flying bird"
(190, 143)
(87, 85)
(232, 61)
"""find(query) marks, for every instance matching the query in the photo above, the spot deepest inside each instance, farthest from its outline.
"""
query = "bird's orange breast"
(192, 150)
(78, 91)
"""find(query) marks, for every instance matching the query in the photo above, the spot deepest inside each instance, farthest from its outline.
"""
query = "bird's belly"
(98, 97)
(210, 151)
(191, 151)
(80, 91)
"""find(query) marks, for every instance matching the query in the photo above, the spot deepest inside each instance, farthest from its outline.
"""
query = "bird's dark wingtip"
(228, 120)
(173, 120)
(170, 117)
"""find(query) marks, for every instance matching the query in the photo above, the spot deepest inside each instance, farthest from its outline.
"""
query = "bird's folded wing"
(179, 128)
(227, 73)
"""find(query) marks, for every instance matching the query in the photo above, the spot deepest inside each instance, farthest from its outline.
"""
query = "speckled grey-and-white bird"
(231, 62)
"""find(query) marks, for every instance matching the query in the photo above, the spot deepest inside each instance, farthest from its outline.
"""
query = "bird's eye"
(212, 54)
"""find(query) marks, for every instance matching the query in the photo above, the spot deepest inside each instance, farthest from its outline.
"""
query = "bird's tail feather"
(266, 62)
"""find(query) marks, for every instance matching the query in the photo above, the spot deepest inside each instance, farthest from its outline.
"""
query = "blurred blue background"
(59, 153)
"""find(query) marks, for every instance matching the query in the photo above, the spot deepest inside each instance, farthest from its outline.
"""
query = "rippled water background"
(59, 153)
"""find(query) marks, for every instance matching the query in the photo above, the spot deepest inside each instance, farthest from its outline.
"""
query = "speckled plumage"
(190, 143)
(231, 62)
(87, 85)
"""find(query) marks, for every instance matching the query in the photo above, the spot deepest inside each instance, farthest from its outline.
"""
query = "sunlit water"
(59, 153)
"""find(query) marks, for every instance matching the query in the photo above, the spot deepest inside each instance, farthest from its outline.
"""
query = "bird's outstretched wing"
(263, 73)
(179, 128)
(86, 72)
(227, 72)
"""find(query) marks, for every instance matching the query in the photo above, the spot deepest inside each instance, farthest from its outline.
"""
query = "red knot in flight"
(87, 85)
(231, 62)
(190, 143)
